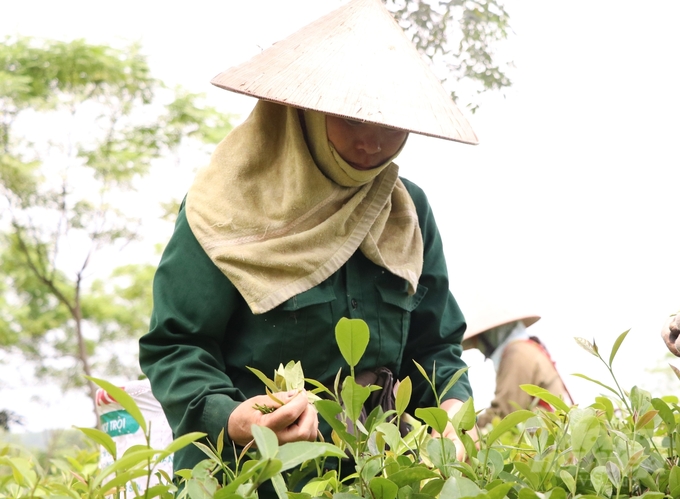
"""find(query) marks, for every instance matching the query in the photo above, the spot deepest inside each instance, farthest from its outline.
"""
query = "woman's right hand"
(295, 420)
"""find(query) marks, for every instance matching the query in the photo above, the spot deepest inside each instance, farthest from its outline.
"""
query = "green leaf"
(508, 422)
(124, 399)
(352, 337)
(674, 478)
(295, 453)
(125, 463)
(454, 379)
(266, 440)
(608, 406)
(403, 396)
(411, 475)
(102, 439)
(545, 395)
(465, 418)
(353, 397)
(329, 409)
(499, 491)
(382, 488)
(459, 487)
(584, 435)
(616, 346)
(183, 441)
(665, 413)
(263, 377)
(599, 479)
(596, 382)
(434, 417)
(525, 471)
(568, 481)
(614, 473)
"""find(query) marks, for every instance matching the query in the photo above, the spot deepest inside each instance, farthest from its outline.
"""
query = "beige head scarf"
(276, 225)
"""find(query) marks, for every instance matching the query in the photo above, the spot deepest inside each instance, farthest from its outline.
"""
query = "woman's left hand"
(452, 406)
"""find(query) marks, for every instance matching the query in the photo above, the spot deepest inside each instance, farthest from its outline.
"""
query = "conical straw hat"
(483, 313)
(355, 62)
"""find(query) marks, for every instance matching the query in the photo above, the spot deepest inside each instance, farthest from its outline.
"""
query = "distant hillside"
(41, 441)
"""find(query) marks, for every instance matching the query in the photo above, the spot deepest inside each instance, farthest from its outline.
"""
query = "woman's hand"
(452, 406)
(671, 334)
(293, 421)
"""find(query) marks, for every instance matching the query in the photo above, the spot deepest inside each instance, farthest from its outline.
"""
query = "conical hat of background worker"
(355, 62)
(482, 314)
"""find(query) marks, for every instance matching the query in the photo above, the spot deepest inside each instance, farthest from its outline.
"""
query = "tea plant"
(624, 444)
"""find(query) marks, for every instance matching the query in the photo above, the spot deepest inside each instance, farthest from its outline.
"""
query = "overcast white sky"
(569, 207)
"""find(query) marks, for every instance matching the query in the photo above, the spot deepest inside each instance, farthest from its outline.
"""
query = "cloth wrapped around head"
(278, 210)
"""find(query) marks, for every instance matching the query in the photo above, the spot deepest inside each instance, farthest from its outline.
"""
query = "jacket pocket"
(395, 314)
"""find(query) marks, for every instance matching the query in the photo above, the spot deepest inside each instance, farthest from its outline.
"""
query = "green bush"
(622, 445)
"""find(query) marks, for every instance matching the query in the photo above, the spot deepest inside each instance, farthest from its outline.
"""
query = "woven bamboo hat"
(484, 314)
(355, 62)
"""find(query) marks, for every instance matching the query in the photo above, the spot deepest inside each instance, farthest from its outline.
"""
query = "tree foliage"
(80, 125)
(461, 36)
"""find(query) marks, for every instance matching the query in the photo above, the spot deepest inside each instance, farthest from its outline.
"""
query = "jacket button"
(354, 304)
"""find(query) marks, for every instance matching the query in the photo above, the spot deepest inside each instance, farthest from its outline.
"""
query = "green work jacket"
(203, 335)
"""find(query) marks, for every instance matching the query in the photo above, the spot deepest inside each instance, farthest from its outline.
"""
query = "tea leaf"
(665, 413)
(587, 346)
(674, 478)
(268, 382)
(183, 441)
(454, 379)
(644, 419)
(599, 478)
(382, 488)
(266, 440)
(102, 439)
(568, 481)
(295, 453)
(616, 346)
(465, 418)
(584, 434)
(403, 396)
(596, 382)
(614, 473)
(508, 422)
(353, 397)
(499, 491)
(410, 475)
(608, 406)
(675, 370)
(545, 395)
(456, 488)
(352, 337)
(525, 471)
(123, 398)
(434, 417)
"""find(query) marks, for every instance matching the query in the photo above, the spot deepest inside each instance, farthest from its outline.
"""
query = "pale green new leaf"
(266, 440)
(102, 439)
(616, 346)
(403, 396)
(596, 382)
(352, 336)
(124, 399)
(568, 481)
(263, 377)
(545, 395)
(434, 417)
(584, 434)
(508, 422)
(382, 488)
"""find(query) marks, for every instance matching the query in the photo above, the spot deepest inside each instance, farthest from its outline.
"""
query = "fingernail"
(292, 393)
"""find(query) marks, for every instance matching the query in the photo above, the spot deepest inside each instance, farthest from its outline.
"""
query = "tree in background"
(80, 126)
(461, 36)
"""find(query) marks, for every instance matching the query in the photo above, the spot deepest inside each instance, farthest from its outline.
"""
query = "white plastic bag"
(126, 432)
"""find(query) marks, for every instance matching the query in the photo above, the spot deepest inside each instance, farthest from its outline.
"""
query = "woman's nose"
(370, 143)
